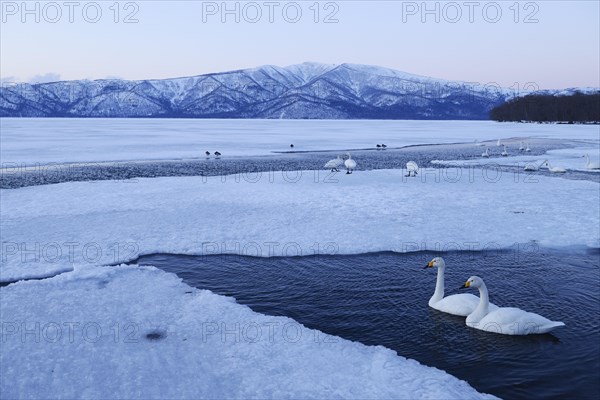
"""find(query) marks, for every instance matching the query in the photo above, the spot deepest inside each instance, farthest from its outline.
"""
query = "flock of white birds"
(483, 315)
(533, 166)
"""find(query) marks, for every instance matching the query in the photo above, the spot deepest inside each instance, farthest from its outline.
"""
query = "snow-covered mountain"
(303, 91)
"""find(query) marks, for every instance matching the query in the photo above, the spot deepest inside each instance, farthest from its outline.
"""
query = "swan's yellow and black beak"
(466, 285)
(429, 265)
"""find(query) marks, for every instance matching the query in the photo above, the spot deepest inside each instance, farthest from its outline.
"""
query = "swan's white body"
(334, 164)
(499, 143)
(461, 304)
(412, 168)
(528, 149)
(350, 164)
(505, 320)
(521, 147)
(556, 170)
(590, 164)
(504, 152)
(485, 154)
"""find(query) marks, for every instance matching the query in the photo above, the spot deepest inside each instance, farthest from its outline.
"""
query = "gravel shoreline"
(18, 176)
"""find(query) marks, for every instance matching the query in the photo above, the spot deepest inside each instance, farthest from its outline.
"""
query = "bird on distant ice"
(207, 154)
(590, 164)
(521, 147)
(499, 143)
(350, 164)
(528, 149)
(486, 154)
(383, 146)
(504, 152)
(217, 154)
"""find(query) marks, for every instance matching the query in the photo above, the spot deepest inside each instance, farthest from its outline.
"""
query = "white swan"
(521, 147)
(505, 320)
(504, 152)
(412, 168)
(556, 170)
(590, 164)
(350, 164)
(461, 304)
(485, 154)
(334, 164)
(499, 143)
(528, 149)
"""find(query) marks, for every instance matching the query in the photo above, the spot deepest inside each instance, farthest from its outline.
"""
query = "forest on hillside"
(576, 108)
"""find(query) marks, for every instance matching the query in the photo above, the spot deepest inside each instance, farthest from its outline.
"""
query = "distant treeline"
(576, 108)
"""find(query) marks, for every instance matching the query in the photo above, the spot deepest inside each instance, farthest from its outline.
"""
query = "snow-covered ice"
(50, 228)
(203, 345)
(571, 159)
(84, 335)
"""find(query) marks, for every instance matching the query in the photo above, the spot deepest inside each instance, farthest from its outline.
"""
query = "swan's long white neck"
(482, 308)
(439, 286)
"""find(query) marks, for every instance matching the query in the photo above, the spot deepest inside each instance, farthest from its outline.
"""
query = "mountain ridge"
(300, 91)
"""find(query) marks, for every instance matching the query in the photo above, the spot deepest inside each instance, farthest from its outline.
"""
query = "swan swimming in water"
(504, 320)
(412, 168)
(504, 152)
(590, 164)
(521, 147)
(556, 170)
(350, 164)
(485, 154)
(334, 164)
(461, 304)
(528, 149)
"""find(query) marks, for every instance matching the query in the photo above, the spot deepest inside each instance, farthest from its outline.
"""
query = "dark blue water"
(381, 299)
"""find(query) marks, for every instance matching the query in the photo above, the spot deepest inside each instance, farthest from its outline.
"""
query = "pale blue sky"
(171, 39)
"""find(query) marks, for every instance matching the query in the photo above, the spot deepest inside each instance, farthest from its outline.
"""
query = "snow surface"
(51, 228)
(83, 335)
(29, 142)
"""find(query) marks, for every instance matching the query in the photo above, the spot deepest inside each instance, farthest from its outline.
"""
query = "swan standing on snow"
(412, 168)
(504, 152)
(590, 164)
(334, 164)
(350, 164)
(457, 304)
(528, 149)
(556, 170)
(505, 320)
(485, 154)
(521, 147)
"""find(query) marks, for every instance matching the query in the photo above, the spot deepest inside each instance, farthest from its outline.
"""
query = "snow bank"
(51, 228)
(131, 332)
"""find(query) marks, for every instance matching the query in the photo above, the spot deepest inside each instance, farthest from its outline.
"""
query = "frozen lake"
(42, 141)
